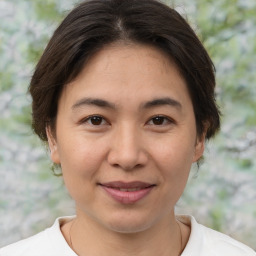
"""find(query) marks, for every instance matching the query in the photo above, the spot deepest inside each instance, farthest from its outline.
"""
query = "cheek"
(80, 156)
(174, 159)
(175, 163)
(80, 162)
(175, 154)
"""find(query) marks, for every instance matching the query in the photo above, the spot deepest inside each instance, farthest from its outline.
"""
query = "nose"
(127, 150)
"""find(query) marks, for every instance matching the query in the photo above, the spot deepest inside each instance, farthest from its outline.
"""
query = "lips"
(127, 192)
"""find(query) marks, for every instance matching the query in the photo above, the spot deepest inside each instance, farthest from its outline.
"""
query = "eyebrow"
(93, 101)
(106, 104)
(162, 102)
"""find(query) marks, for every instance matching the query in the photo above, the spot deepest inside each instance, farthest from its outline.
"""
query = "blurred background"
(221, 194)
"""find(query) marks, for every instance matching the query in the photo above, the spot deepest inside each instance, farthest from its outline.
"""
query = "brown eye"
(158, 120)
(95, 120)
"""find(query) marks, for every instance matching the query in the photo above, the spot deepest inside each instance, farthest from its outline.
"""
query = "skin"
(126, 143)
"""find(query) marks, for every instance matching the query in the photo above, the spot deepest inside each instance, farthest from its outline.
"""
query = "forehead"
(123, 57)
(128, 72)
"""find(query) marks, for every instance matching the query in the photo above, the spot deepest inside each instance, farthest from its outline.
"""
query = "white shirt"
(202, 242)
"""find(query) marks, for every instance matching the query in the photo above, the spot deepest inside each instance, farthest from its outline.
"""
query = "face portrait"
(126, 138)
(124, 96)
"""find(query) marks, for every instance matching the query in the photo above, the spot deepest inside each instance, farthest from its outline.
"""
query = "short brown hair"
(96, 23)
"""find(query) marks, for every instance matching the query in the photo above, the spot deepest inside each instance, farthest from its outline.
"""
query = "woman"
(124, 96)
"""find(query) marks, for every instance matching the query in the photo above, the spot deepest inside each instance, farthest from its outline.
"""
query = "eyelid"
(87, 118)
(106, 122)
(169, 119)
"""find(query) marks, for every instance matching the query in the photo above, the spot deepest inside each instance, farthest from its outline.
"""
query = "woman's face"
(126, 138)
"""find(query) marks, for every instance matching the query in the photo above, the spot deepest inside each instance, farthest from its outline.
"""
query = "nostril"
(128, 167)
(127, 158)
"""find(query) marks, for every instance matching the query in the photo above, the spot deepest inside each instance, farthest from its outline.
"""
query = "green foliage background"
(222, 194)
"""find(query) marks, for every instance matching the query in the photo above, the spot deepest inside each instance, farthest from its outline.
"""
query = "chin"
(128, 225)
(128, 229)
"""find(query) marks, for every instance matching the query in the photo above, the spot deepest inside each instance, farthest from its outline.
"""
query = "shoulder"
(224, 244)
(205, 241)
(27, 246)
(49, 242)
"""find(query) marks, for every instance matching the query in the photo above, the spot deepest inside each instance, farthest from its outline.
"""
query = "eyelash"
(163, 118)
(89, 119)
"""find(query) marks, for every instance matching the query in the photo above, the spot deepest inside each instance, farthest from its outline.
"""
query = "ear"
(53, 146)
(199, 147)
(200, 143)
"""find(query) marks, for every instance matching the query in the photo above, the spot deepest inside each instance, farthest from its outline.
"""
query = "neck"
(88, 237)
